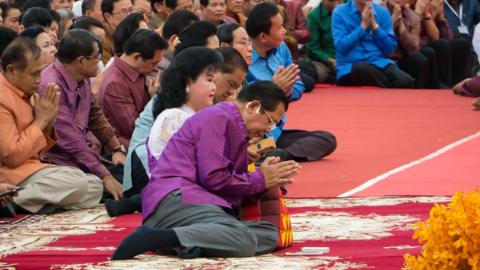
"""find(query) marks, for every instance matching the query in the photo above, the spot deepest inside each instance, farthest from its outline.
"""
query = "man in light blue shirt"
(364, 38)
(272, 61)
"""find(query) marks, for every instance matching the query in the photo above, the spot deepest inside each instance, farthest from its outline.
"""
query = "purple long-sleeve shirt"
(77, 114)
(207, 160)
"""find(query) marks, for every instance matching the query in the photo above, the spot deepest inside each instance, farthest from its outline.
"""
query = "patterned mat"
(361, 233)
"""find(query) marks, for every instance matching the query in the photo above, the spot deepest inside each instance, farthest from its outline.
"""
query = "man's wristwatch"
(119, 149)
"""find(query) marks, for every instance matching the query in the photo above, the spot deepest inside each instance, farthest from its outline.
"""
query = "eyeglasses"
(124, 11)
(271, 123)
(96, 57)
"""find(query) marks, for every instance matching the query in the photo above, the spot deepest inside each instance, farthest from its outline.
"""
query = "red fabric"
(271, 207)
(377, 130)
(376, 253)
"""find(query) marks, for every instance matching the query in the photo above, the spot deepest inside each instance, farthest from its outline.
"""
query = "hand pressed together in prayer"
(368, 18)
(45, 107)
(278, 173)
(286, 78)
(113, 187)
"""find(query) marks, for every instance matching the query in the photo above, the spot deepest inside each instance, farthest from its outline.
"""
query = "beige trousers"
(61, 186)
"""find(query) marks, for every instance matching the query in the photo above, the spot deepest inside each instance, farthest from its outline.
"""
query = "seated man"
(272, 61)
(123, 93)
(364, 38)
(114, 11)
(320, 48)
(201, 179)
(77, 60)
(26, 131)
(462, 16)
(214, 12)
(236, 11)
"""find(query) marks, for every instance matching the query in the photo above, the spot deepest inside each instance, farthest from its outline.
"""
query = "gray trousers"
(211, 229)
(61, 186)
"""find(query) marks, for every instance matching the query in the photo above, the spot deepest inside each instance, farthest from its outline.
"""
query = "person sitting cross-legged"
(79, 52)
(26, 132)
(364, 38)
(272, 61)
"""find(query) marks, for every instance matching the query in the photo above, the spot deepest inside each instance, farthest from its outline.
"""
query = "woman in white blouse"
(187, 86)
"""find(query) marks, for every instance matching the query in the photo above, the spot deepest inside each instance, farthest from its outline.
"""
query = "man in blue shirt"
(462, 16)
(272, 61)
(364, 38)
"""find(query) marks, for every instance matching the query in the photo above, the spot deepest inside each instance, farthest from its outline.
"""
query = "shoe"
(7, 211)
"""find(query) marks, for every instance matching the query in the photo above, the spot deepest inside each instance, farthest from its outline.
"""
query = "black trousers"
(302, 145)
(433, 79)
(308, 74)
(461, 59)
(416, 65)
(139, 176)
(366, 74)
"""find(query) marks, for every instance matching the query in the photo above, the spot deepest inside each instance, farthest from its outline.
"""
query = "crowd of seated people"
(150, 105)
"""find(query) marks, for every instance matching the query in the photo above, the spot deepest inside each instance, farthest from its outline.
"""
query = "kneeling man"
(193, 198)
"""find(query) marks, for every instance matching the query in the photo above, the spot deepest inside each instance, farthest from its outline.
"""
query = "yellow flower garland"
(450, 236)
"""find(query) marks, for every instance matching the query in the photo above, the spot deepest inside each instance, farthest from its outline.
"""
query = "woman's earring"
(187, 89)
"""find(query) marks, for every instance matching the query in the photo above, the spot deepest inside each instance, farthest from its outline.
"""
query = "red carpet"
(377, 130)
(360, 232)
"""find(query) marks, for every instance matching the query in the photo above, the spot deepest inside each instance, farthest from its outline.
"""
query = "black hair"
(88, 5)
(37, 3)
(225, 32)
(107, 6)
(171, 4)
(20, 3)
(87, 23)
(260, 19)
(7, 7)
(196, 34)
(153, 2)
(124, 31)
(232, 60)
(16, 53)
(7, 35)
(145, 42)
(177, 21)
(32, 32)
(37, 16)
(268, 93)
(204, 3)
(186, 66)
(76, 43)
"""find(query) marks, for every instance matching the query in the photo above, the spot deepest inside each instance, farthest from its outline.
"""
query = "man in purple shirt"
(214, 11)
(77, 60)
(123, 93)
(195, 191)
